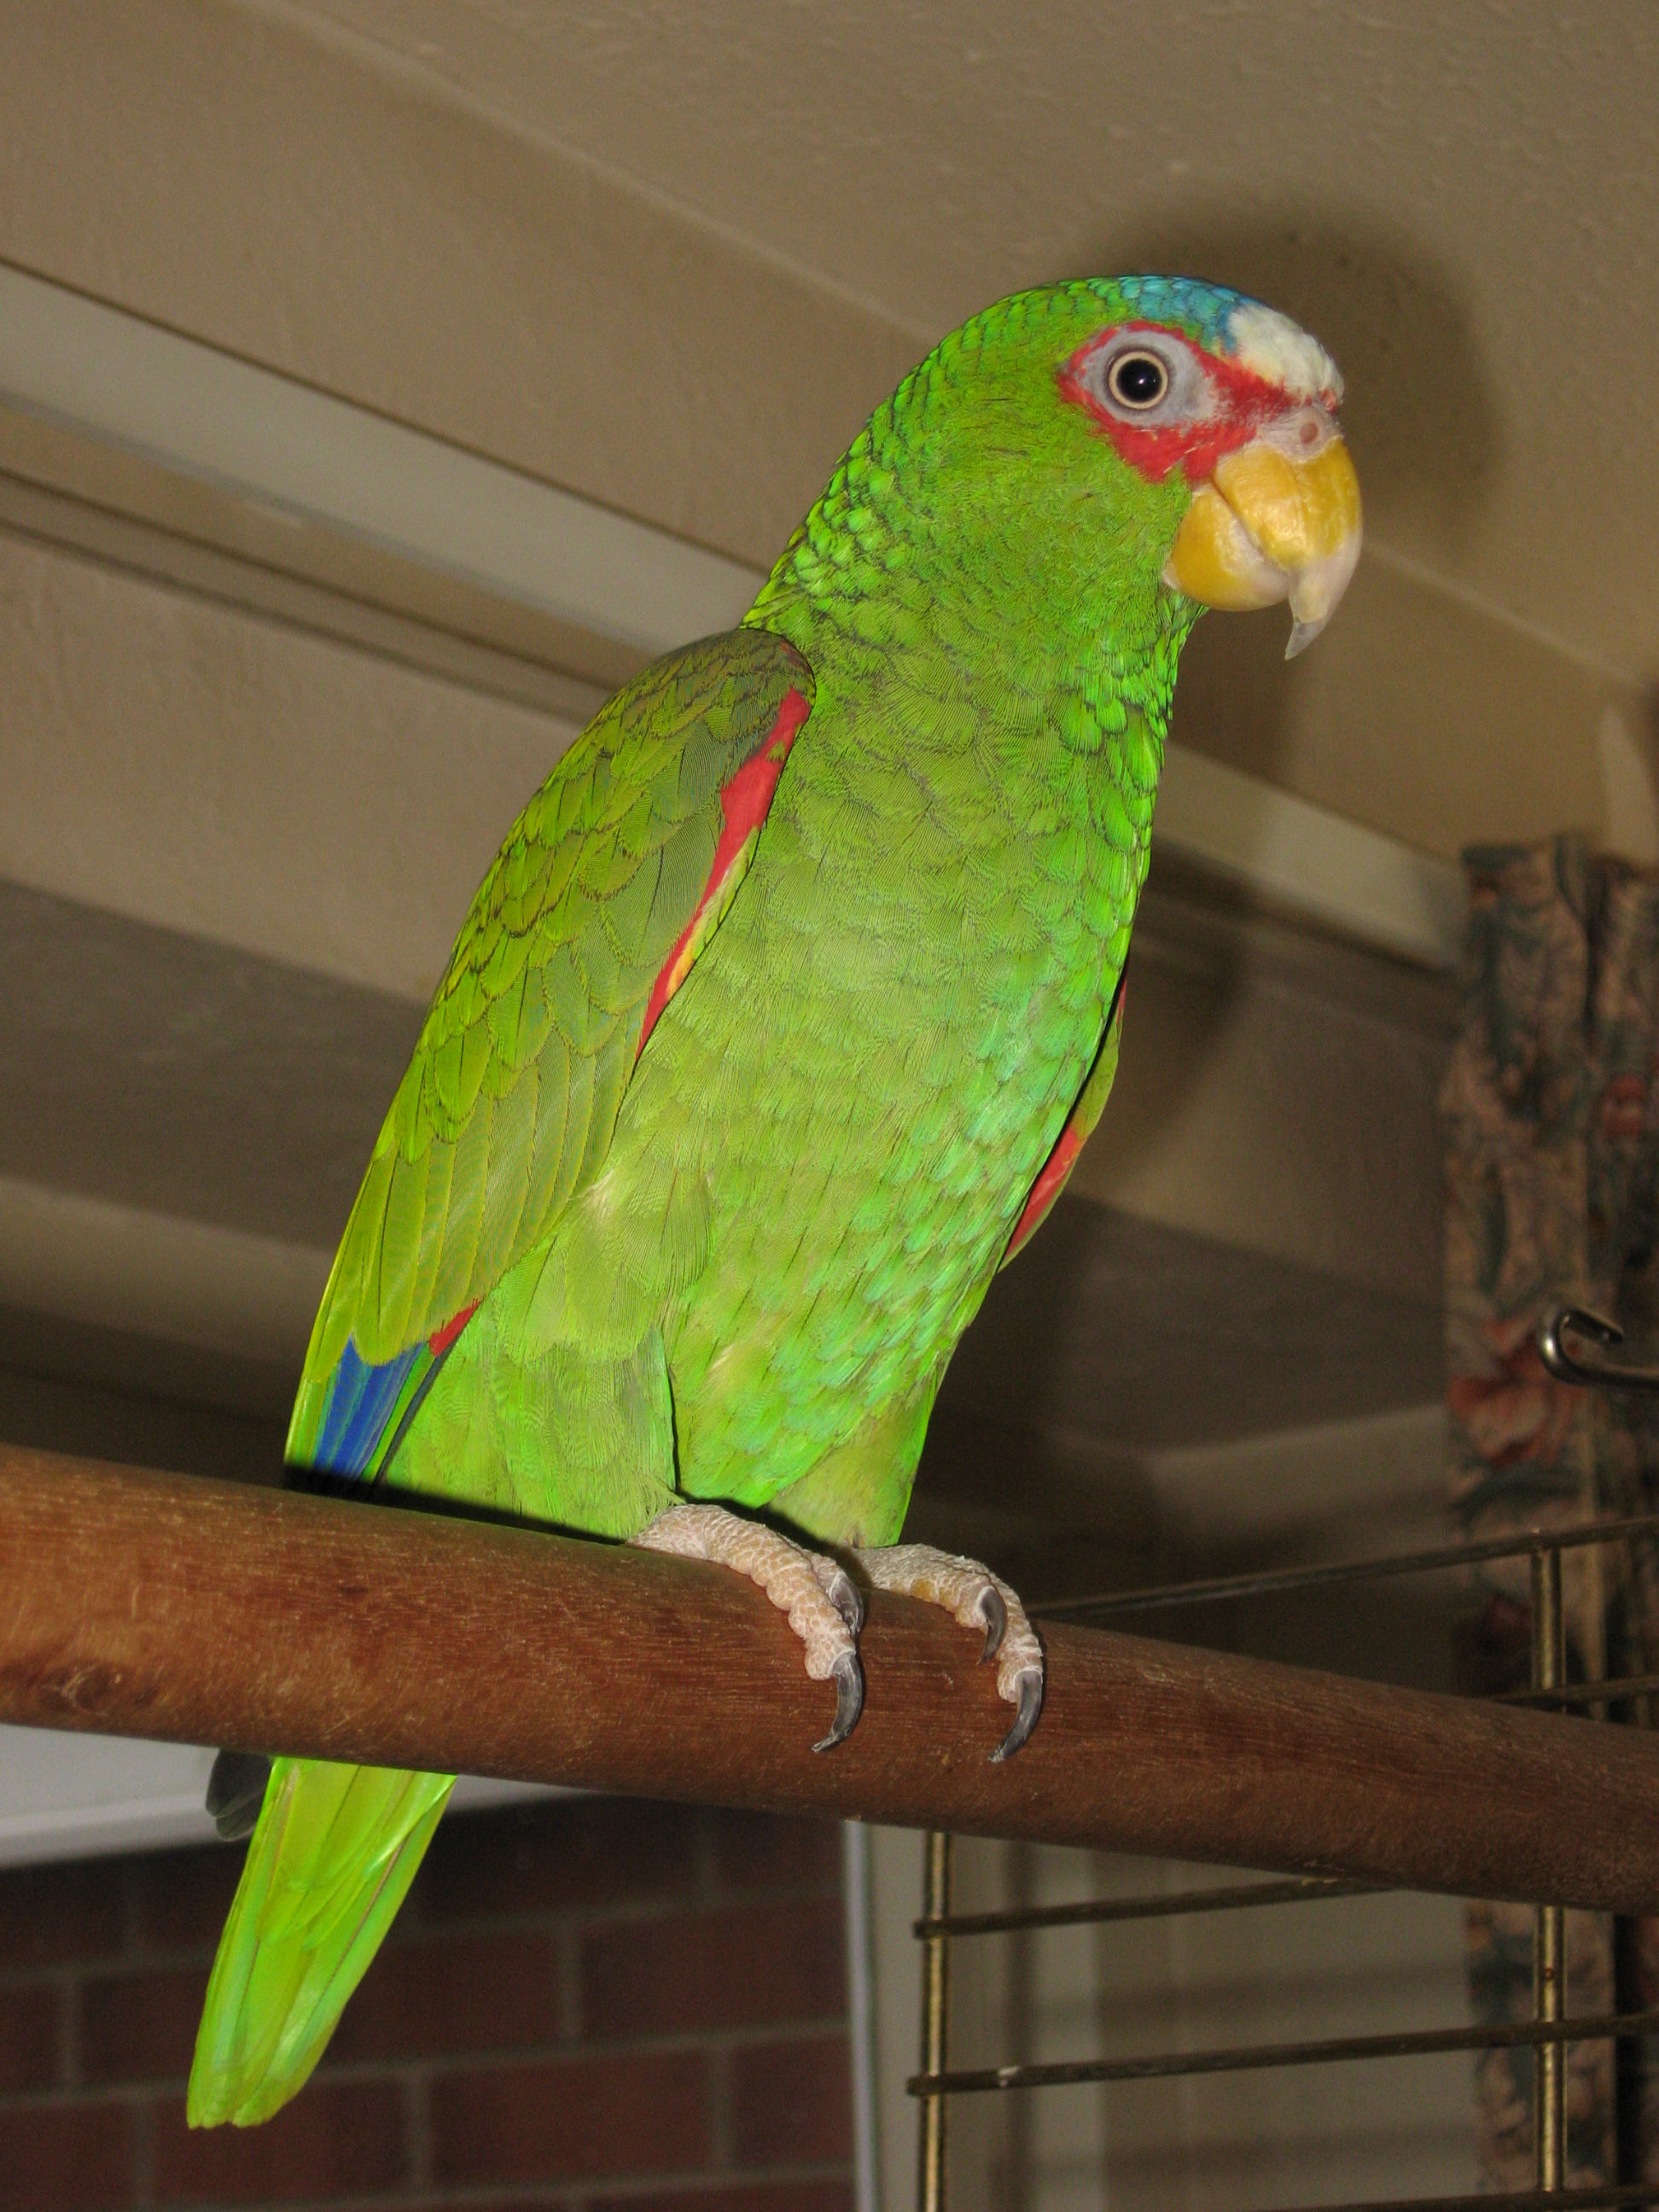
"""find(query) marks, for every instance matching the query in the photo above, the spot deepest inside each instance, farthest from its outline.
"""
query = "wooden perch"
(154, 1605)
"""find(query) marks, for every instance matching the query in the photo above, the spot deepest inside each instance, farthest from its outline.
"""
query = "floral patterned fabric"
(1552, 1193)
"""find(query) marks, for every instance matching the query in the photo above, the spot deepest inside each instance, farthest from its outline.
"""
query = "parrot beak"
(1278, 519)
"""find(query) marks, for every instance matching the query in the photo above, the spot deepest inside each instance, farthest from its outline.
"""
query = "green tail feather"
(334, 1853)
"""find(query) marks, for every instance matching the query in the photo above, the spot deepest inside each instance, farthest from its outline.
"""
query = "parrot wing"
(609, 885)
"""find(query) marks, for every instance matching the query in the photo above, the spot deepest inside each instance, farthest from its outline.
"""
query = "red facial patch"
(1243, 403)
(744, 802)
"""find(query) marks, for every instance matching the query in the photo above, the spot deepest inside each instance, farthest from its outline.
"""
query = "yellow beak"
(1279, 520)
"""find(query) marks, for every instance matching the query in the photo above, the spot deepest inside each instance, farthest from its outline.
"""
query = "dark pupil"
(1138, 380)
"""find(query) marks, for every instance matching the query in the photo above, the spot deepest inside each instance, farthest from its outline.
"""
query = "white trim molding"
(209, 415)
(1335, 870)
(74, 1797)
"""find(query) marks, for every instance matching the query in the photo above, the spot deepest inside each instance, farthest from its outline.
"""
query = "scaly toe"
(820, 1598)
(849, 1701)
(1028, 1684)
(975, 1598)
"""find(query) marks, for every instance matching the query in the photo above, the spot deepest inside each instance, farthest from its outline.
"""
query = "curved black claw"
(844, 1593)
(1030, 1681)
(849, 1701)
(994, 1613)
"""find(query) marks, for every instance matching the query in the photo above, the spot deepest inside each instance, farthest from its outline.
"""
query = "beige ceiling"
(1459, 198)
(667, 256)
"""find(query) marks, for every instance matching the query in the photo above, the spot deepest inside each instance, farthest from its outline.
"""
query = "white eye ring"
(1151, 378)
(1138, 381)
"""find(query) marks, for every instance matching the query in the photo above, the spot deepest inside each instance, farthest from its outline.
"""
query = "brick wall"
(586, 2004)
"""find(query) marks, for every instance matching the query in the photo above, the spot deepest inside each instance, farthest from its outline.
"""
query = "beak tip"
(1272, 525)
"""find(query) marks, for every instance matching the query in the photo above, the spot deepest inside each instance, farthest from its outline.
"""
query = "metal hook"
(1563, 1365)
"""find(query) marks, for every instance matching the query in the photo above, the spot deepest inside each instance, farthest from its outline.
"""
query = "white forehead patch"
(1272, 347)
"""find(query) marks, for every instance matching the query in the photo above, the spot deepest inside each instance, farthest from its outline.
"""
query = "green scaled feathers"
(759, 1052)
(510, 1099)
(333, 1855)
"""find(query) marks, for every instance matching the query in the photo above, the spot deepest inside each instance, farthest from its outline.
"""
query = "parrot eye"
(1138, 381)
(1146, 378)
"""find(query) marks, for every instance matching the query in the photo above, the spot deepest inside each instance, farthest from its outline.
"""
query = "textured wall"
(582, 2004)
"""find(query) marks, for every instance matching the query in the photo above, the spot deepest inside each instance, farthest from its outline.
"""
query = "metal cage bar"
(935, 2021)
(1262, 2057)
(1549, 1942)
(1547, 2034)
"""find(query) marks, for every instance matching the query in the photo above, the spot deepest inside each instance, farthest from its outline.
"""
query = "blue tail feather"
(358, 1412)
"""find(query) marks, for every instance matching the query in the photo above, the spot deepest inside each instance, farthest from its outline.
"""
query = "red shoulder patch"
(441, 1339)
(1079, 1127)
(1047, 1186)
(745, 801)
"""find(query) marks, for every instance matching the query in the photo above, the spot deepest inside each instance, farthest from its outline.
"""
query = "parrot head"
(1242, 403)
(1152, 443)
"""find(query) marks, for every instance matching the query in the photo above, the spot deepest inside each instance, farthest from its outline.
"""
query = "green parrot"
(774, 1030)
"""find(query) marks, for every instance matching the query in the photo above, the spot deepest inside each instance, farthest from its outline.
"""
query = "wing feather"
(507, 1178)
(440, 1182)
(400, 1242)
(462, 1222)
(509, 1102)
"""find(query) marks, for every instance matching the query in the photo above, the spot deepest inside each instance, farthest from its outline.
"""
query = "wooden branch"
(140, 1604)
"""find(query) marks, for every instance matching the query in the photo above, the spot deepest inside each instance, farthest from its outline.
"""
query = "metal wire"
(932, 2176)
(1237, 1897)
(1600, 1374)
(1615, 1690)
(1547, 2034)
(1549, 1947)
(1250, 2058)
(1569, 1537)
(1525, 2200)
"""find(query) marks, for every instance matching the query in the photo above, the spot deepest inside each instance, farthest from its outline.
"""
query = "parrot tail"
(334, 1852)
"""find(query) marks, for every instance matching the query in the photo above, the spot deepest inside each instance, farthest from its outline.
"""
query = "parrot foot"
(977, 1598)
(823, 1601)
